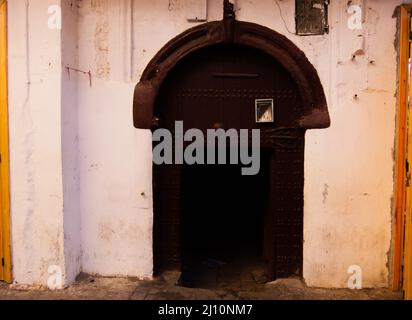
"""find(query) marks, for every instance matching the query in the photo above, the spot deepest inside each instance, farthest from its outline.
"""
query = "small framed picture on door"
(265, 111)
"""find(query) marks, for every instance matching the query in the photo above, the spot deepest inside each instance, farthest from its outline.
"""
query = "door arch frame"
(228, 30)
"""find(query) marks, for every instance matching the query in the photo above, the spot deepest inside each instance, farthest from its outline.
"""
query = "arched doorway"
(214, 74)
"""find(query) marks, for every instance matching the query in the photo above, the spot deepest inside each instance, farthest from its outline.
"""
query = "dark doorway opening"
(223, 216)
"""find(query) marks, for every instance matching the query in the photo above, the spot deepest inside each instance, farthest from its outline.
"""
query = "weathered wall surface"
(114, 159)
(349, 167)
(70, 141)
(35, 142)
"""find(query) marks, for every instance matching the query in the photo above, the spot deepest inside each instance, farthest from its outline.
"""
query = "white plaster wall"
(349, 167)
(70, 141)
(35, 142)
(115, 159)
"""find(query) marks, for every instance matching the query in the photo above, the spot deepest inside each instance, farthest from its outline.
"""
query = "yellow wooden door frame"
(402, 253)
(5, 249)
(407, 258)
(401, 150)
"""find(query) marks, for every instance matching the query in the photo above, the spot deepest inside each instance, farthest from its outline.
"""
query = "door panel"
(167, 205)
(219, 85)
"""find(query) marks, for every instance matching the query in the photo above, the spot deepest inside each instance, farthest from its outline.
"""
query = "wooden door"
(5, 262)
(219, 86)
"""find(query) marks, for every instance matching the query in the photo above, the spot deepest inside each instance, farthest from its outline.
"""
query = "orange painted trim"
(407, 272)
(401, 145)
(407, 259)
(6, 272)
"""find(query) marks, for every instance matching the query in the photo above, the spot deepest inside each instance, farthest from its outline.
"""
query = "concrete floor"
(164, 288)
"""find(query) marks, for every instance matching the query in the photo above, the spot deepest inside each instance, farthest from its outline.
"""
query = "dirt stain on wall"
(325, 193)
(101, 41)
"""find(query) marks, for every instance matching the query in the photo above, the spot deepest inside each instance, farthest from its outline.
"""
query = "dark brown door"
(219, 85)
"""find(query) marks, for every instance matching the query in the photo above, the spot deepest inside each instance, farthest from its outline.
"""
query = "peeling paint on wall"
(102, 38)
